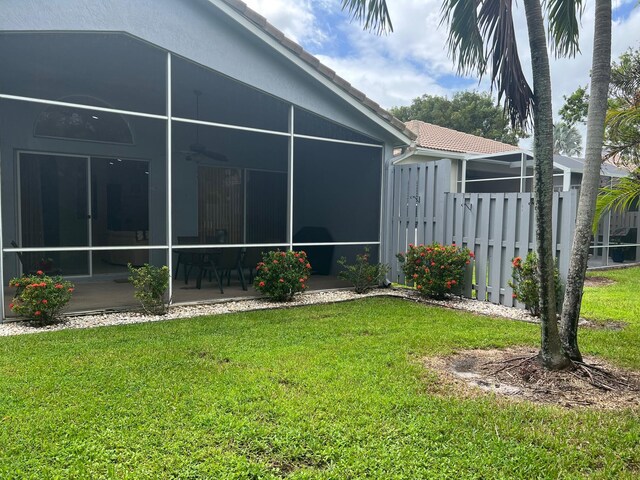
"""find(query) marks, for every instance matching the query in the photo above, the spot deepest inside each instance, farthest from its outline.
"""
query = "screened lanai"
(118, 152)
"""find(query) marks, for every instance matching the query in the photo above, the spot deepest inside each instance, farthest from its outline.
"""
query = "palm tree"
(600, 75)
(566, 140)
(481, 37)
(482, 40)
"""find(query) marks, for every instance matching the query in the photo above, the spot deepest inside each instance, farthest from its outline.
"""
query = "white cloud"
(385, 81)
(295, 19)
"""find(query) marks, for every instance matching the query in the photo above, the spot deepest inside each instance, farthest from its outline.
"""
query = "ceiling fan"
(197, 151)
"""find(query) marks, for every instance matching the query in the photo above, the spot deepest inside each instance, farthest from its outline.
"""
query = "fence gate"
(496, 226)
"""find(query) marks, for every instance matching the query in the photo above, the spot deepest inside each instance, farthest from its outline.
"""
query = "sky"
(413, 60)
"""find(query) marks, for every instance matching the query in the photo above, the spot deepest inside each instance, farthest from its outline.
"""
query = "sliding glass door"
(77, 201)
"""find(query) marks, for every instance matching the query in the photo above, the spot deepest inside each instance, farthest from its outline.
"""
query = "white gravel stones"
(242, 305)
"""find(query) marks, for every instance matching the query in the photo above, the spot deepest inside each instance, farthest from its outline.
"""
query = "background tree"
(622, 124)
(575, 106)
(482, 39)
(469, 112)
(623, 116)
(623, 135)
(566, 140)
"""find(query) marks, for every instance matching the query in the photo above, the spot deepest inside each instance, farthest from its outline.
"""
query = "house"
(481, 165)
(140, 131)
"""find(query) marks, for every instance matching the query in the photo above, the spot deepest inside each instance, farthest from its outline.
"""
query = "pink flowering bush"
(436, 270)
(280, 275)
(40, 298)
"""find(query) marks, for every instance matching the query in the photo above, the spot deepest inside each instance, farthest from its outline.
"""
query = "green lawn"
(331, 391)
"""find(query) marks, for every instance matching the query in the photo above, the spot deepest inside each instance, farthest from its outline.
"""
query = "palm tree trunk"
(600, 76)
(552, 355)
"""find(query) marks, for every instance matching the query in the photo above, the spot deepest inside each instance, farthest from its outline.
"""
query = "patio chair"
(228, 261)
(207, 262)
(185, 257)
(250, 259)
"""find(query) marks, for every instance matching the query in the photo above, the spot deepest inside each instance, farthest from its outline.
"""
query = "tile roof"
(293, 47)
(441, 138)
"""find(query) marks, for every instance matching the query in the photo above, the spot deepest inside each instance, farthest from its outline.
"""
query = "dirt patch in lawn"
(600, 325)
(598, 282)
(516, 374)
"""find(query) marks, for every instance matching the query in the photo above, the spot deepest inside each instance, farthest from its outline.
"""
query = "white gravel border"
(244, 305)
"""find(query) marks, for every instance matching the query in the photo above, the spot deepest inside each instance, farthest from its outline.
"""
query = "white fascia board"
(428, 152)
(614, 174)
(485, 156)
(277, 46)
(561, 167)
(403, 156)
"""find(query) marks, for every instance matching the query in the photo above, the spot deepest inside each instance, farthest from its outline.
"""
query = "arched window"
(80, 124)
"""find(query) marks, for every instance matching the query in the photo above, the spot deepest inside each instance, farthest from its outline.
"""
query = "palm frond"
(372, 14)
(495, 20)
(617, 198)
(566, 140)
(623, 116)
(466, 45)
(564, 25)
(476, 23)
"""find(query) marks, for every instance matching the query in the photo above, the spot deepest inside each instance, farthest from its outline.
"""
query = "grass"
(332, 391)
(614, 302)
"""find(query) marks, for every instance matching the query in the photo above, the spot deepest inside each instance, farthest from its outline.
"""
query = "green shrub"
(436, 270)
(362, 274)
(40, 298)
(282, 274)
(150, 284)
(524, 282)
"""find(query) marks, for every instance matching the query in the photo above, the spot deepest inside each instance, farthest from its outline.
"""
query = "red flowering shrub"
(40, 297)
(282, 274)
(436, 270)
(525, 285)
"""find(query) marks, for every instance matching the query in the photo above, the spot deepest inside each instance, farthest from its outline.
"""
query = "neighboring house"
(454, 187)
(130, 131)
(482, 165)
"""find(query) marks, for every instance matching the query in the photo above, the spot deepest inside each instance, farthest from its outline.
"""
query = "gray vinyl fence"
(496, 226)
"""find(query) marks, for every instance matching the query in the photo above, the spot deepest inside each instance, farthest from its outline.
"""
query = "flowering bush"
(436, 270)
(40, 297)
(362, 274)
(150, 283)
(282, 274)
(524, 282)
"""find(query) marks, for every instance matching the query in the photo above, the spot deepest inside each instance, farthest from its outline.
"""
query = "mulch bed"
(516, 374)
